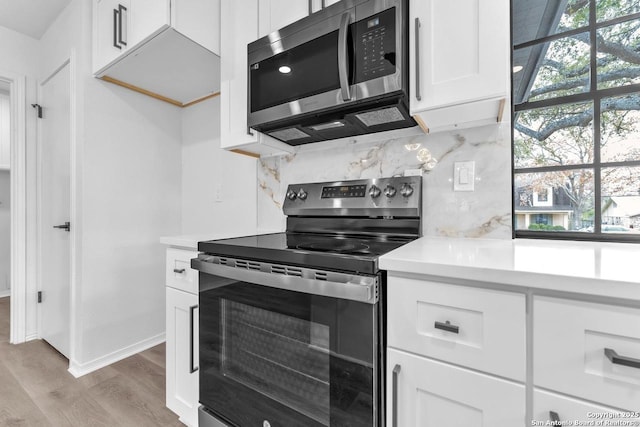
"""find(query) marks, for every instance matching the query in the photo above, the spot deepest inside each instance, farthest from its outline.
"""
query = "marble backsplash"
(485, 212)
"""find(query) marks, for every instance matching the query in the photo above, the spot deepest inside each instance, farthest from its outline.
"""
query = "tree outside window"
(576, 127)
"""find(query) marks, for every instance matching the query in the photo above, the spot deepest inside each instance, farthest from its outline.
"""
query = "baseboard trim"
(80, 369)
(6, 293)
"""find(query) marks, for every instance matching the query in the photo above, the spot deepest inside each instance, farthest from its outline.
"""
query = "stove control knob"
(406, 190)
(291, 195)
(302, 195)
(374, 192)
(389, 191)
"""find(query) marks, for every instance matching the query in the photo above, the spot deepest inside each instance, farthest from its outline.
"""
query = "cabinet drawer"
(570, 338)
(179, 272)
(490, 324)
(569, 409)
(435, 394)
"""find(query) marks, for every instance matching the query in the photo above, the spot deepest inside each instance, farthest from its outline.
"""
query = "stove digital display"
(343, 191)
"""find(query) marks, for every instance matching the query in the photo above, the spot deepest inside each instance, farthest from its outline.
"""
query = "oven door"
(277, 357)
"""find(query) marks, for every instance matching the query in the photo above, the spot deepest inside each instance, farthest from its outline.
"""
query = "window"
(576, 124)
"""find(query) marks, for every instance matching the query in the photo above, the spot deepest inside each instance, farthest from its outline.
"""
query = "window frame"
(593, 95)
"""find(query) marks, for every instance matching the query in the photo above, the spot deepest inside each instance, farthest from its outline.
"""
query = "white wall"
(128, 190)
(5, 233)
(218, 187)
(20, 56)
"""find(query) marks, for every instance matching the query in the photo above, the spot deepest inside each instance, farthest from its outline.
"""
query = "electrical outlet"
(464, 176)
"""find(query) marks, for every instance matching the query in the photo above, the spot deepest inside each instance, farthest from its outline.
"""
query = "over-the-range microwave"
(340, 72)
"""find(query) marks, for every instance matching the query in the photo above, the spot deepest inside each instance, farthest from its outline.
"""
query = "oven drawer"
(480, 328)
(549, 406)
(575, 343)
(179, 273)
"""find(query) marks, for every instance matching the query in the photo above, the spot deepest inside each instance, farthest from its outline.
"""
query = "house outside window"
(576, 119)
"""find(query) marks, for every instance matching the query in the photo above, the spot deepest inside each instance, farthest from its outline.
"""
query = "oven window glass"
(285, 357)
(279, 356)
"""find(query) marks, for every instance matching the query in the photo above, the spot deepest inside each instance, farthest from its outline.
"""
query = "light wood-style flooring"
(37, 390)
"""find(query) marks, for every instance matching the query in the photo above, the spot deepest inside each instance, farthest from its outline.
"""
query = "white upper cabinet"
(239, 25)
(199, 20)
(147, 18)
(111, 21)
(168, 49)
(459, 62)
(5, 133)
(275, 14)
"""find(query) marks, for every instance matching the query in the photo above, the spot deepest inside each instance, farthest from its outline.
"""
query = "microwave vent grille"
(380, 117)
(289, 134)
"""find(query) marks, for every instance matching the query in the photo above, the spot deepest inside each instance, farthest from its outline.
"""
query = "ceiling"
(30, 17)
(532, 20)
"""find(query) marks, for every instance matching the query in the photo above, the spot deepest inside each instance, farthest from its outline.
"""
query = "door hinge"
(38, 107)
(39, 296)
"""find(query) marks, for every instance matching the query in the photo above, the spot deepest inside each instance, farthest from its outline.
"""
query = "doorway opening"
(5, 212)
(13, 270)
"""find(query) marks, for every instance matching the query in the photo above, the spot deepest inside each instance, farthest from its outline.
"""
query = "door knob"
(66, 226)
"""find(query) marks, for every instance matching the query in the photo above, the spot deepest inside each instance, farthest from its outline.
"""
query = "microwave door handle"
(343, 64)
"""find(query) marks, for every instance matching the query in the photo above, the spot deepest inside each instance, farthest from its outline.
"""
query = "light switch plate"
(464, 176)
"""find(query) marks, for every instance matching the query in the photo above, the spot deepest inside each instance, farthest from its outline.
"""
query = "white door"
(55, 128)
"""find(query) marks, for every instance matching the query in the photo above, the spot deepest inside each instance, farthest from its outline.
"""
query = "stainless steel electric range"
(292, 324)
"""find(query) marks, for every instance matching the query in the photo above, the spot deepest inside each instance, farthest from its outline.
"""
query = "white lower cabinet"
(182, 317)
(436, 394)
(549, 407)
(588, 350)
(482, 329)
(456, 355)
(182, 355)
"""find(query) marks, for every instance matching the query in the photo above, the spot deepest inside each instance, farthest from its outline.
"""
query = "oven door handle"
(358, 288)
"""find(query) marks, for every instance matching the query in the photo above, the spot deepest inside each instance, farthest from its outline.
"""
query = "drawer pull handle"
(447, 326)
(179, 270)
(616, 359)
(553, 416)
(394, 414)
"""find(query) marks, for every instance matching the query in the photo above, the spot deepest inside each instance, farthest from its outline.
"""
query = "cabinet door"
(435, 394)
(275, 14)
(588, 350)
(147, 18)
(239, 27)
(462, 53)
(111, 21)
(547, 406)
(182, 355)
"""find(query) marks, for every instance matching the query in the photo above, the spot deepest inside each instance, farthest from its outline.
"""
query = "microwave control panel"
(375, 46)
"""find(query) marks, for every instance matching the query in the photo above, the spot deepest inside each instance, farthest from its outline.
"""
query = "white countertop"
(594, 268)
(190, 241)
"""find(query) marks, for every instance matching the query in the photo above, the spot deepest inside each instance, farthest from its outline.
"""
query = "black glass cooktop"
(333, 252)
